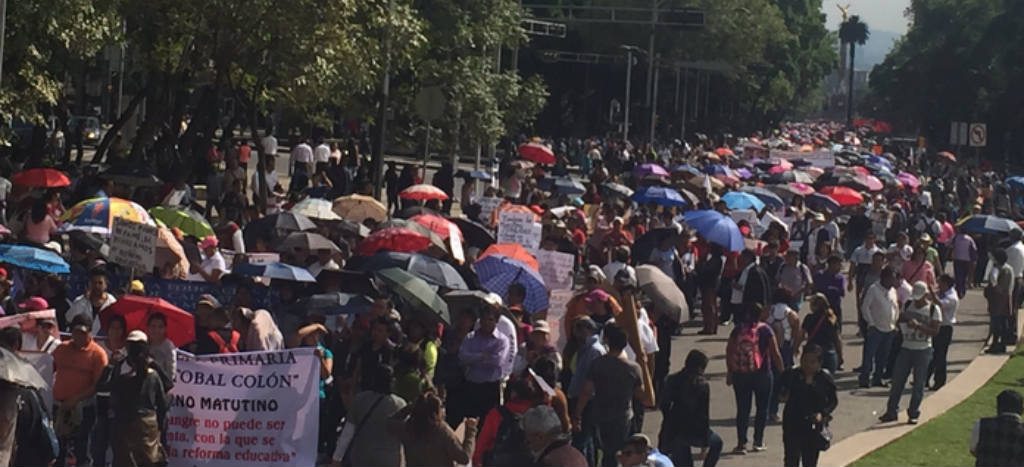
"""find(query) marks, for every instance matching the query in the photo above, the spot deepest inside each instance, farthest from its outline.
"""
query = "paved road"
(858, 408)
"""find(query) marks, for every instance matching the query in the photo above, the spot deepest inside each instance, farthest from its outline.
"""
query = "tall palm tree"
(852, 32)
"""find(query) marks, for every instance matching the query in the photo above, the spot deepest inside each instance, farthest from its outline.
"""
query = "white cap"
(920, 290)
(137, 336)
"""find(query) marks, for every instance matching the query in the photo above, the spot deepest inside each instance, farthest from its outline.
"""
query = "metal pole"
(426, 149)
(654, 103)
(686, 104)
(382, 112)
(3, 31)
(629, 83)
(675, 100)
(650, 61)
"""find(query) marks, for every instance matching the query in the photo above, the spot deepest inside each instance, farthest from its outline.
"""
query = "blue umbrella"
(768, 197)
(1016, 182)
(36, 259)
(716, 228)
(741, 200)
(497, 272)
(983, 224)
(568, 186)
(659, 195)
(279, 271)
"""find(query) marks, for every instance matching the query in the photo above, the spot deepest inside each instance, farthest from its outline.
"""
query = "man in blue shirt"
(638, 452)
(584, 331)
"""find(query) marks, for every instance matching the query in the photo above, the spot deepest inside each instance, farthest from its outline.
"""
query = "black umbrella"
(412, 211)
(416, 292)
(350, 281)
(643, 246)
(473, 233)
(276, 226)
(336, 303)
(432, 270)
(307, 241)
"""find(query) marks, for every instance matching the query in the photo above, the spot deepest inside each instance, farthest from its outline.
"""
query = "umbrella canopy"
(316, 208)
(662, 291)
(864, 182)
(97, 215)
(845, 196)
(437, 224)
(716, 228)
(474, 174)
(946, 155)
(644, 170)
(307, 241)
(984, 224)
(659, 195)
(687, 170)
(349, 281)
(911, 181)
(538, 153)
(617, 189)
(435, 240)
(799, 188)
(821, 202)
(497, 272)
(423, 192)
(797, 176)
(16, 370)
(136, 310)
(416, 292)
(568, 186)
(718, 169)
(643, 246)
(276, 226)
(514, 251)
(32, 258)
(766, 196)
(743, 173)
(41, 178)
(741, 200)
(473, 233)
(188, 221)
(275, 271)
(400, 239)
(358, 208)
(336, 303)
(432, 270)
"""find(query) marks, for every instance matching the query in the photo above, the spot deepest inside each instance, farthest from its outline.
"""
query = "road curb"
(977, 373)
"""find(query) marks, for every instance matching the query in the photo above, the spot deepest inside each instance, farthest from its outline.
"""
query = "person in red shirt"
(523, 394)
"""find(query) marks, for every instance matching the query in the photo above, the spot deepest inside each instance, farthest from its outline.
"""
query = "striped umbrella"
(97, 215)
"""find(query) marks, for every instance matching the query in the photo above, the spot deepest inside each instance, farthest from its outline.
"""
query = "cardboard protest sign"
(133, 245)
(258, 409)
(556, 268)
(487, 206)
(521, 228)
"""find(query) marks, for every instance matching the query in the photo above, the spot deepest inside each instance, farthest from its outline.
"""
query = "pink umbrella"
(423, 192)
(800, 188)
(871, 182)
(908, 180)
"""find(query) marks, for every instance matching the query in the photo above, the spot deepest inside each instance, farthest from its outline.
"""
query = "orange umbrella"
(423, 192)
(511, 250)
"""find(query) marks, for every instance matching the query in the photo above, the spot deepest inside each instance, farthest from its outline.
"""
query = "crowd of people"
(760, 247)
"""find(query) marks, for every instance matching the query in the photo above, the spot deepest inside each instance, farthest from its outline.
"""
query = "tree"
(852, 32)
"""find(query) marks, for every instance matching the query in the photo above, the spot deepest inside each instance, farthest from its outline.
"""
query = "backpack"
(747, 358)
(510, 443)
(225, 347)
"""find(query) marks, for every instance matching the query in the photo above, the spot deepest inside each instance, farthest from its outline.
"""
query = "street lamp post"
(630, 50)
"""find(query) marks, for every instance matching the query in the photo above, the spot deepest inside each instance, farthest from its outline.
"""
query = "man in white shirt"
(269, 173)
(93, 301)
(321, 155)
(1015, 259)
(302, 158)
(948, 300)
(620, 260)
(213, 265)
(880, 309)
(269, 145)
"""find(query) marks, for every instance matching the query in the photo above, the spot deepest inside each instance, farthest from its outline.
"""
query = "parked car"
(92, 133)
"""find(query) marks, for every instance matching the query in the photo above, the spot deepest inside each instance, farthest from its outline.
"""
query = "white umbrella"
(316, 208)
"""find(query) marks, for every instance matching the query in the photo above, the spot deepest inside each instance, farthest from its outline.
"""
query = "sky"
(885, 15)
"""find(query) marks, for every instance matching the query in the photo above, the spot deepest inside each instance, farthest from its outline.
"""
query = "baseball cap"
(81, 323)
(920, 290)
(137, 336)
(585, 322)
(34, 304)
(541, 326)
(209, 241)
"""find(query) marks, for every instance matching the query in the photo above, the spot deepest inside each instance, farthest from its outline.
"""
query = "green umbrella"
(416, 292)
(188, 221)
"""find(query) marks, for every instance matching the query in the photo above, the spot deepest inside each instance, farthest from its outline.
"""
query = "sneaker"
(760, 447)
(912, 421)
(740, 450)
(887, 417)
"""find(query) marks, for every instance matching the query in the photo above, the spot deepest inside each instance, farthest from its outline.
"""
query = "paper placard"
(521, 228)
(133, 245)
(258, 409)
(557, 305)
(556, 268)
(487, 206)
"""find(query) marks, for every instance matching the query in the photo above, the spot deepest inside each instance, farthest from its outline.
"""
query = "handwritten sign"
(521, 228)
(487, 206)
(257, 409)
(556, 268)
(133, 245)
(558, 304)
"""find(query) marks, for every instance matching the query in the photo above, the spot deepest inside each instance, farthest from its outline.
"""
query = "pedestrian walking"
(999, 293)
(810, 396)
(686, 415)
(77, 365)
(821, 327)
(751, 353)
(140, 402)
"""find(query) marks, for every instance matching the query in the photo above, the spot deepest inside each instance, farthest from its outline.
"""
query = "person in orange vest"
(219, 336)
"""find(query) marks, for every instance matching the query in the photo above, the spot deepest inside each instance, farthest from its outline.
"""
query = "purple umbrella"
(743, 173)
(644, 170)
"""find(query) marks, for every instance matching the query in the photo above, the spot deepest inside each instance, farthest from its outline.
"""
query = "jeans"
(584, 440)
(875, 355)
(682, 457)
(747, 386)
(830, 361)
(787, 361)
(798, 449)
(941, 343)
(101, 433)
(961, 269)
(80, 439)
(612, 435)
(909, 360)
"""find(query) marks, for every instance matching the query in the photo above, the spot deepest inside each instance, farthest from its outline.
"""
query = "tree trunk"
(849, 93)
(108, 138)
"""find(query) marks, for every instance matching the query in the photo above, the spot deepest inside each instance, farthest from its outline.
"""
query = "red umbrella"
(423, 192)
(845, 196)
(537, 152)
(437, 224)
(947, 155)
(513, 251)
(398, 239)
(723, 152)
(41, 178)
(137, 309)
